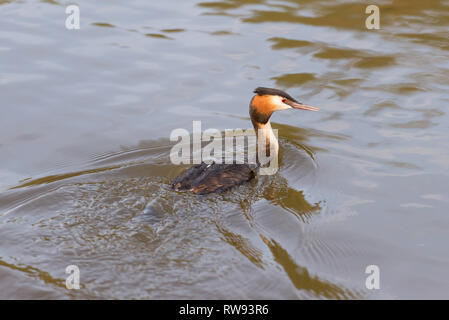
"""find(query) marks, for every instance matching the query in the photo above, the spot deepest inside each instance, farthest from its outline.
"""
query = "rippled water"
(85, 122)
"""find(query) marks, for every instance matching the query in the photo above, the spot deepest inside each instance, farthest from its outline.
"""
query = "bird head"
(268, 100)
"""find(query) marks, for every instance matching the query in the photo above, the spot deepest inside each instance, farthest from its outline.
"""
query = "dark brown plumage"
(208, 178)
(261, 91)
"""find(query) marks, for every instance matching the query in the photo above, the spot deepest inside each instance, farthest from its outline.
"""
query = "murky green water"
(85, 122)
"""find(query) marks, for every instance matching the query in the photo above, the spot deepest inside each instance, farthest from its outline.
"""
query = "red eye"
(284, 100)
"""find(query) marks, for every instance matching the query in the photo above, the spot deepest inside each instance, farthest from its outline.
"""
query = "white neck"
(266, 139)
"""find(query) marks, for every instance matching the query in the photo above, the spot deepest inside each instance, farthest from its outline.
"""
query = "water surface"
(85, 122)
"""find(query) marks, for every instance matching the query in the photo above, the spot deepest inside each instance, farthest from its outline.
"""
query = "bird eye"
(284, 100)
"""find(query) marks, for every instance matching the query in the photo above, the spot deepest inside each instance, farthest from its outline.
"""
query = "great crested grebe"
(208, 178)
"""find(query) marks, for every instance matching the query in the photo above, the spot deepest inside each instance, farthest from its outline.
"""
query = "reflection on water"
(362, 182)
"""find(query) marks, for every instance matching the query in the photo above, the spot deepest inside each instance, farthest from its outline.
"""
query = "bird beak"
(301, 106)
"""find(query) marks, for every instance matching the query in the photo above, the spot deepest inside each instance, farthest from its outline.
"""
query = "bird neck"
(266, 139)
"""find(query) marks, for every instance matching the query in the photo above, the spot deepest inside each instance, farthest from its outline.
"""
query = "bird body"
(213, 177)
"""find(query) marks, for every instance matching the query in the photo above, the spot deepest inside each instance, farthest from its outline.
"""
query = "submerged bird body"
(209, 178)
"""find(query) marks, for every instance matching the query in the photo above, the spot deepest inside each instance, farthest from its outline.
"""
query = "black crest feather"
(274, 92)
